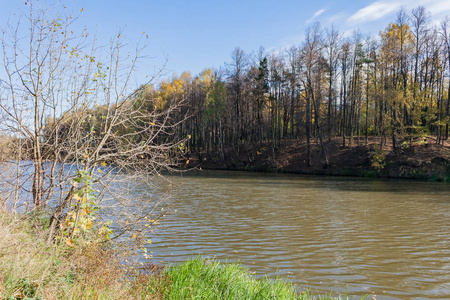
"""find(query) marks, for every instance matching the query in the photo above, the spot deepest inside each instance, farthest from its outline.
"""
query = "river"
(386, 238)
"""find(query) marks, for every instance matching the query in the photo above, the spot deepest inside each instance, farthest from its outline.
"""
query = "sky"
(197, 34)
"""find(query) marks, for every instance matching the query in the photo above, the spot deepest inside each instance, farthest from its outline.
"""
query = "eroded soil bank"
(419, 159)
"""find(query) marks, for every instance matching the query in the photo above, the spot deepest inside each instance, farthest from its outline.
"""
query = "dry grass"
(31, 268)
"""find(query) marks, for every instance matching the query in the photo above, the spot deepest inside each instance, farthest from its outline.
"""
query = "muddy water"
(386, 238)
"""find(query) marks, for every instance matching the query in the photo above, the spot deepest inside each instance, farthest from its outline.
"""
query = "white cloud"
(374, 11)
(438, 7)
(337, 18)
(316, 14)
(381, 12)
(382, 8)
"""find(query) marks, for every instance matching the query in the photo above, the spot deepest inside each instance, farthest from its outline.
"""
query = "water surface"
(386, 238)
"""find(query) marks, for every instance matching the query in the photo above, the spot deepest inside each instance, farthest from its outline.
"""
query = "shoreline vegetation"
(30, 268)
(422, 159)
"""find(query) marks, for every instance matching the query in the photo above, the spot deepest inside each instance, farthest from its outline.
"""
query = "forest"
(332, 87)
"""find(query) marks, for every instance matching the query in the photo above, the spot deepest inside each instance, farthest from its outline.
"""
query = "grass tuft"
(200, 278)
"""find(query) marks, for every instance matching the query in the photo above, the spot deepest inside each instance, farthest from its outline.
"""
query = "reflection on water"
(388, 238)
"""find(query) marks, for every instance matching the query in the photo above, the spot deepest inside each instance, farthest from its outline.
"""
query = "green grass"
(199, 278)
(203, 279)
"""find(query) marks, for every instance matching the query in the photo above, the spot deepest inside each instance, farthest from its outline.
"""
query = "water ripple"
(382, 237)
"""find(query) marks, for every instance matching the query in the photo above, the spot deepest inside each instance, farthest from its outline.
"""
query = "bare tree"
(445, 26)
(332, 45)
(71, 101)
(311, 55)
(236, 71)
(419, 18)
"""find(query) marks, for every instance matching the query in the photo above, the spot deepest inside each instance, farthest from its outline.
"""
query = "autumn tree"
(397, 43)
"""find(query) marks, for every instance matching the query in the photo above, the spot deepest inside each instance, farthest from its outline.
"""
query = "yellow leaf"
(69, 242)
(187, 162)
(76, 197)
(104, 164)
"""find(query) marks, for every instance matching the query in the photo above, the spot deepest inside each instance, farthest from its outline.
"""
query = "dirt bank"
(419, 159)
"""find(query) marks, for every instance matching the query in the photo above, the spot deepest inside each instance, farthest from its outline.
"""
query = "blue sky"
(197, 34)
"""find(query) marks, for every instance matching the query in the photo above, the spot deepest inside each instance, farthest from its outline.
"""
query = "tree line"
(394, 86)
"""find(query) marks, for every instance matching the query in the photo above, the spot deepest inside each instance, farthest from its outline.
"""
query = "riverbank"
(32, 269)
(420, 159)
